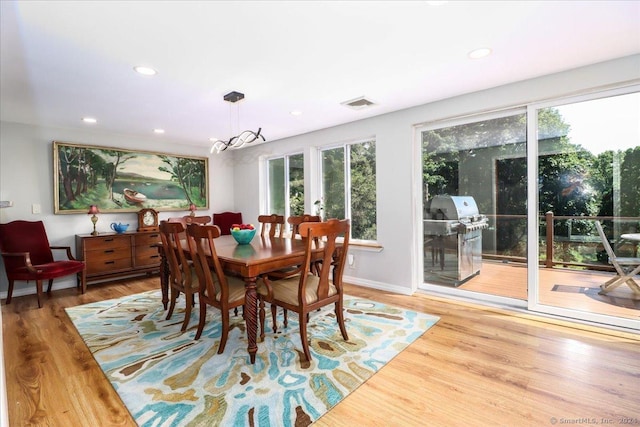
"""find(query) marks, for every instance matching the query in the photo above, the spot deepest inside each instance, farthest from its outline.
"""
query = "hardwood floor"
(475, 367)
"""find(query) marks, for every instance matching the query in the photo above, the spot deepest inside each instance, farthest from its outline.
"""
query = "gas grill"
(453, 230)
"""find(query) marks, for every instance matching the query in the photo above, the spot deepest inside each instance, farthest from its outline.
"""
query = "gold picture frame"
(120, 180)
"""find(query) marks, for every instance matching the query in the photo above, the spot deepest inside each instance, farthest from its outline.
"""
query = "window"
(286, 185)
(348, 186)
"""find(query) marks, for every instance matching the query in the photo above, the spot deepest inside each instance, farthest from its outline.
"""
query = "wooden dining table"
(250, 261)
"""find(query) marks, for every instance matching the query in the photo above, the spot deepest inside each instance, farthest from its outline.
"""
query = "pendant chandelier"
(245, 137)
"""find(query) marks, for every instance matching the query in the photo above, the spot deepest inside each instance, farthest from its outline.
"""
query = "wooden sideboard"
(112, 255)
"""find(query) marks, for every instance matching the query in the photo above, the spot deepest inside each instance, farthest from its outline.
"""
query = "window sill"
(365, 246)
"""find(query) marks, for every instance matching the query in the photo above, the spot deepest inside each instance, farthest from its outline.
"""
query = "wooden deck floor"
(565, 288)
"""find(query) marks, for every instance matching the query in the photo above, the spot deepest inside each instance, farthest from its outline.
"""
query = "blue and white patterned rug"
(166, 378)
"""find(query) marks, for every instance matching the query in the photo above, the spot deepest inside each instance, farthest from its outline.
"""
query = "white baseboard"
(377, 285)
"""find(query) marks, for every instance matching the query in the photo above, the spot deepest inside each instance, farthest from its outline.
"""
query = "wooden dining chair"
(216, 289)
(273, 225)
(308, 292)
(182, 277)
(296, 220)
(626, 267)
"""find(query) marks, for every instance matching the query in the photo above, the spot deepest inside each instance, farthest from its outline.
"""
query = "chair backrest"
(172, 235)
(295, 222)
(272, 223)
(605, 242)
(225, 220)
(206, 262)
(188, 219)
(25, 236)
(333, 255)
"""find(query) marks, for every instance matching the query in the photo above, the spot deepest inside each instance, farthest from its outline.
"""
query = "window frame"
(286, 178)
(347, 181)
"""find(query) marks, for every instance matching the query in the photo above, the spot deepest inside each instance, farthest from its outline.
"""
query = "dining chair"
(626, 267)
(273, 224)
(182, 277)
(188, 219)
(308, 292)
(216, 289)
(225, 220)
(296, 220)
(27, 256)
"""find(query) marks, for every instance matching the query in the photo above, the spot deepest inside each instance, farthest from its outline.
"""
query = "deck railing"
(566, 243)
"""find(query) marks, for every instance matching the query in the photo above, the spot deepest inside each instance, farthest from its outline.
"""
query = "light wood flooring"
(475, 367)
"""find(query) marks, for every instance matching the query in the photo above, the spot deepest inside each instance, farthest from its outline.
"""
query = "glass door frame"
(533, 264)
(532, 304)
(449, 292)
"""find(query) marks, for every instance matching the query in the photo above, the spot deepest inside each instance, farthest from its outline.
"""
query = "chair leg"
(340, 319)
(188, 304)
(225, 331)
(303, 335)
(203, 318)
(9, 292)
(49, 287)
(172, 305)
(39, 291)
(273, 317)
(285, 314)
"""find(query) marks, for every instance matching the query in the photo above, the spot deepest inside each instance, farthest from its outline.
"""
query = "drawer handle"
(110, 262)
(109, 251)
(154, 256)
(108, 240)
(154, 235)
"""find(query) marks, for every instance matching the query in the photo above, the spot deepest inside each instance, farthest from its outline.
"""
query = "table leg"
(251, 316)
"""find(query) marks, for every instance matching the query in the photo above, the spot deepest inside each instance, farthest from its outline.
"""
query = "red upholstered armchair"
(27, 256)
(225, 220)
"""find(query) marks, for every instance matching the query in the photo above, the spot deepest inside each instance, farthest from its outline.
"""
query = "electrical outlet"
(35, 208)
(351, 260)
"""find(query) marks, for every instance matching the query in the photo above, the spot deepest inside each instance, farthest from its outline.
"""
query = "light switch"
(35, 208)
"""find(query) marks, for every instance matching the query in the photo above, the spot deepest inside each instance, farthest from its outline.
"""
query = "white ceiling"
(63, 60)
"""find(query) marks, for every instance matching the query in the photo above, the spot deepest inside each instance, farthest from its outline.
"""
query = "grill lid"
(452, 207)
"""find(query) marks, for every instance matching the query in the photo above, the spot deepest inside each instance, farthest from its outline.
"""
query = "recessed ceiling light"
(296, 113)
(480, 53)
(89, 120)
(158, 130)
(145, 71)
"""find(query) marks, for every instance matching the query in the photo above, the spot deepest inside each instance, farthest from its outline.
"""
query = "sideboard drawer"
(147, 239)
(147, 255)
(107, 243)
(95, 266)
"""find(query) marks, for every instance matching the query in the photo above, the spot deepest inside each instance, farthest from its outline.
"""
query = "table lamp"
(93, 210)
(193, 209)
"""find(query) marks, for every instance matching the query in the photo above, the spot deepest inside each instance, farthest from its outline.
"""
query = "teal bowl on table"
(243, 237)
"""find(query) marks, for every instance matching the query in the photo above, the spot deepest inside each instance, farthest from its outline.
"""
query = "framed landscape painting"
(118, 180)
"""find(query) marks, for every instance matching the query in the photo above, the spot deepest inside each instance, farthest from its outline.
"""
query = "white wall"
(396, 267)
(26, 178)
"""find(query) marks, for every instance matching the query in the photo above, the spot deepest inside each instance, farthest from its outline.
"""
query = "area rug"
(166, 378)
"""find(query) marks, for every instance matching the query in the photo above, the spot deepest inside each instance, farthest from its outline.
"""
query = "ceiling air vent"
(358, 103)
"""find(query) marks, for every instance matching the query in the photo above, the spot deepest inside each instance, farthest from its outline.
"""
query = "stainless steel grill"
(454, 224)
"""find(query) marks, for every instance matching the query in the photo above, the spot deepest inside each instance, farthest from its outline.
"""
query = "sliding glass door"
(542, 176)
(480, 168)
(588, 164)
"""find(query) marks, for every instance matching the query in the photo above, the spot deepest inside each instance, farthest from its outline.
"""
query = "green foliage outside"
(571, 180)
